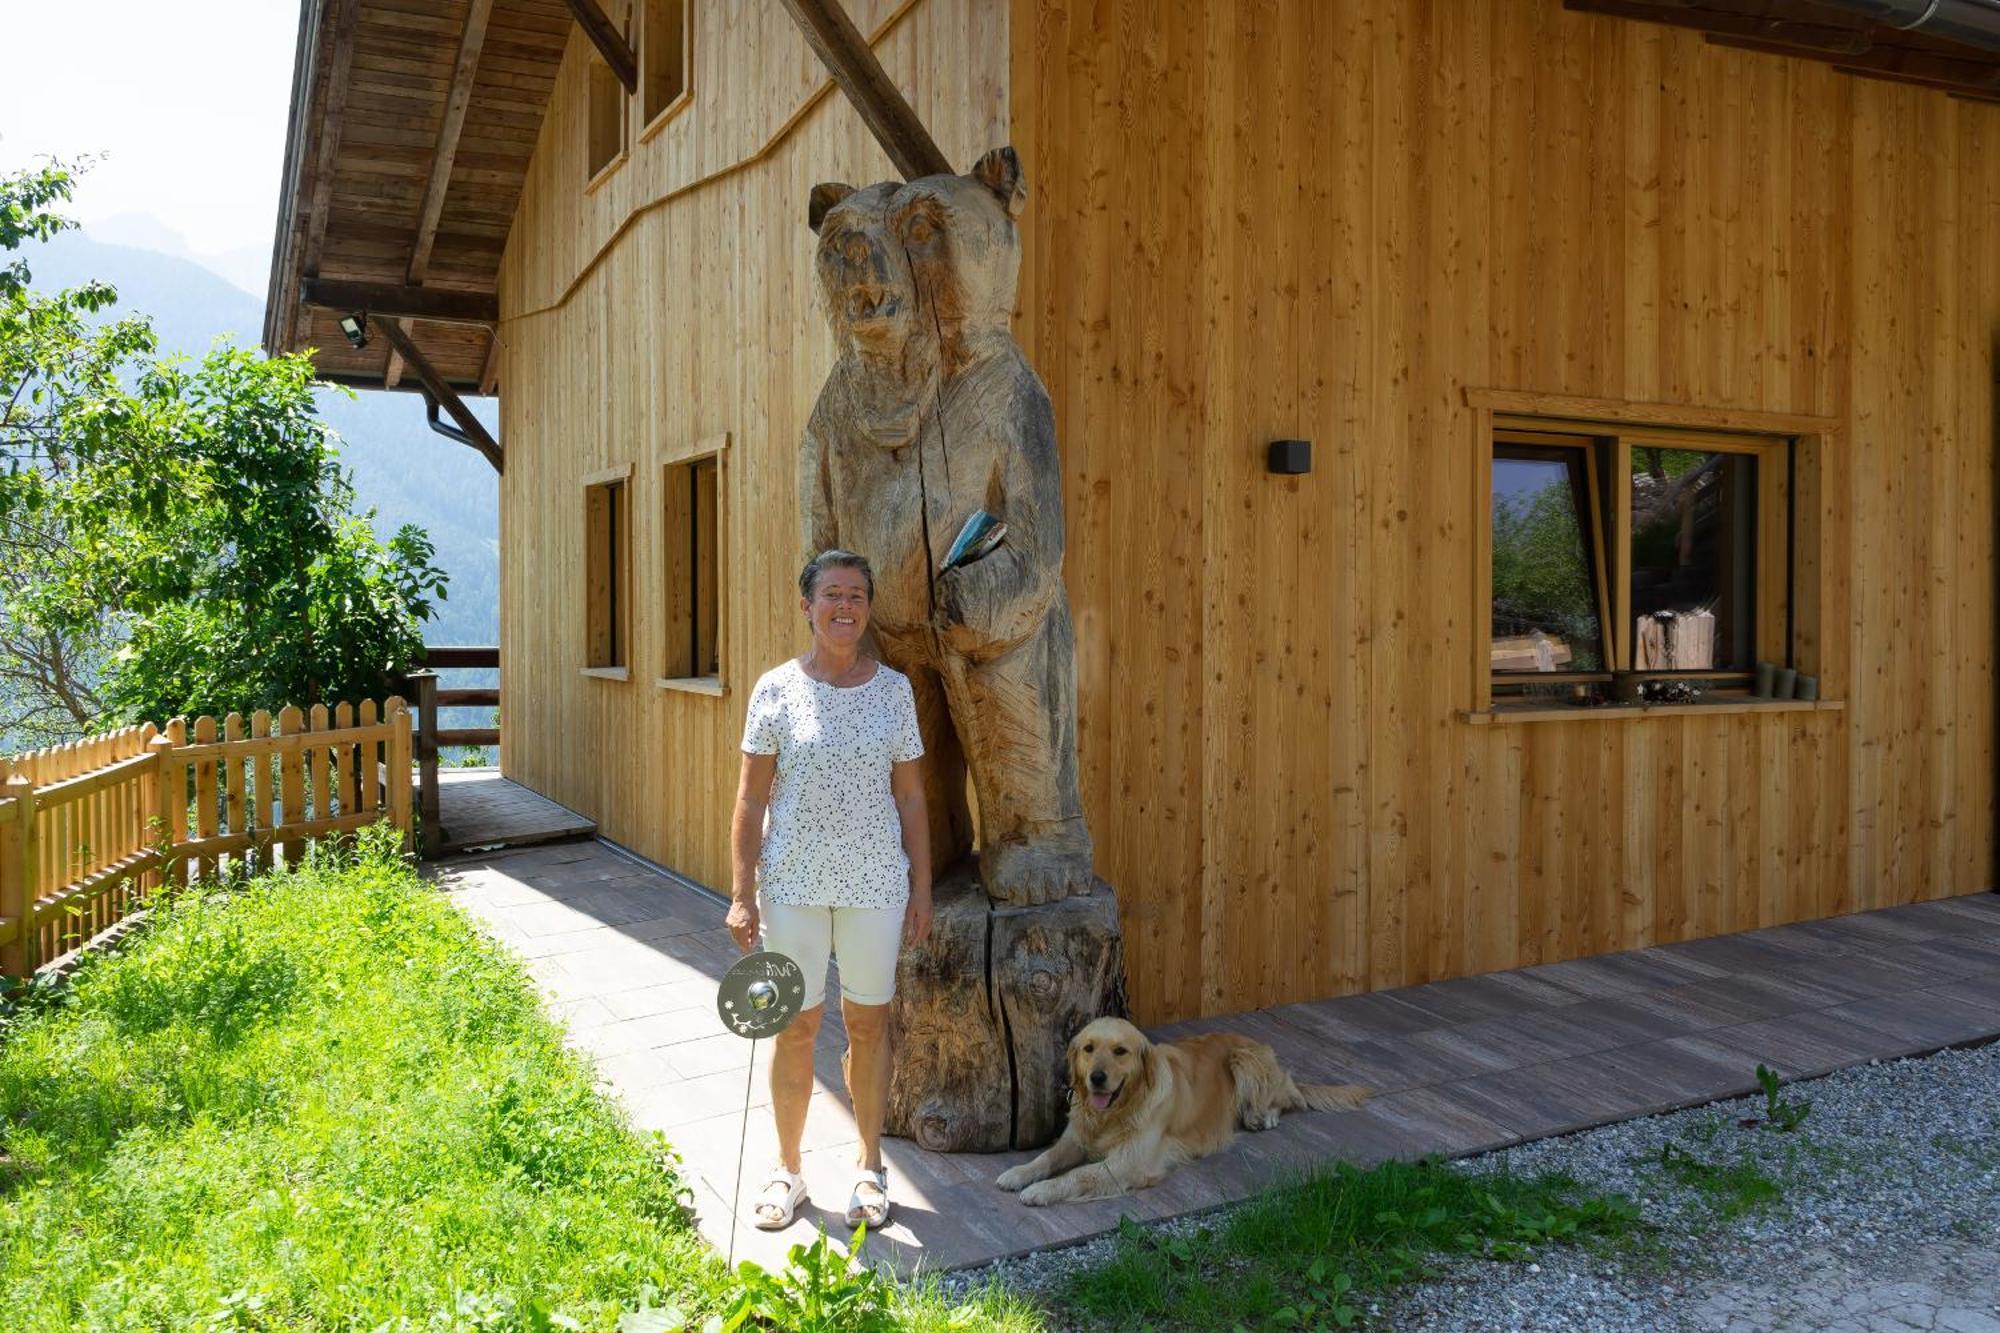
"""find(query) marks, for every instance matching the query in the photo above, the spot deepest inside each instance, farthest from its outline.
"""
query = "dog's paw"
(1014, 1178)
(1041, 1192)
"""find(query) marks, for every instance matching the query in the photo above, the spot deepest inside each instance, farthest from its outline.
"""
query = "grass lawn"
(324, 1100)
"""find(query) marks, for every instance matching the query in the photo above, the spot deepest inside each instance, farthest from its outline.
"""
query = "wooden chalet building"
(1626, 337)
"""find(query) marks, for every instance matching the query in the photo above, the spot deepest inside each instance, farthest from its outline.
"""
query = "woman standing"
(832, 858)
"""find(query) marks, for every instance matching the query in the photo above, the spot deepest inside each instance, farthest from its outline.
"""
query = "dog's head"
(1110, 1065)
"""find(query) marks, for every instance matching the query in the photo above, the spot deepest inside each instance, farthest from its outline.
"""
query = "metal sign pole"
(759, 997)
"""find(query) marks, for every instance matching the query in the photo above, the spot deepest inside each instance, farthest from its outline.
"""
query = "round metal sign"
(760, 994)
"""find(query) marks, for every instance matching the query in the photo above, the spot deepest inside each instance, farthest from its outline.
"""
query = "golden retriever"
(1138, 1110)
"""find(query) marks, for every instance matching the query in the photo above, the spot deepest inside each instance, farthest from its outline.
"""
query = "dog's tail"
(1333, 1096)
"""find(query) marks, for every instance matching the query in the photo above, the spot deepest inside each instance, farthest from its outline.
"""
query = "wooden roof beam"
(346, 15)
(852, 63)
(1969, 75)
(450, 125)
(1835, 38)
(449, 128)
(393, 301)
(489, 372)
(441, 393)
(392, 373)
(610, 43)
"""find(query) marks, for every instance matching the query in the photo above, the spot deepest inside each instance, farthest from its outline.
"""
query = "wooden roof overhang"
(1831, 31)
(411, 126)
(413, 121)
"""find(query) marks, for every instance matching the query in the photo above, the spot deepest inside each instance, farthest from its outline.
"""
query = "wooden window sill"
(680, 103)
(710, 685)
(1506, 714)
(607, 673)
(606, 172)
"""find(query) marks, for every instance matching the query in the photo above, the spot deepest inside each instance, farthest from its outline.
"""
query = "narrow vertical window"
(606, 110)
(663, 58)
(606, 574)
(693, 522)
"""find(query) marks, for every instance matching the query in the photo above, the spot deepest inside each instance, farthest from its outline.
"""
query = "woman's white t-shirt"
(832, 837)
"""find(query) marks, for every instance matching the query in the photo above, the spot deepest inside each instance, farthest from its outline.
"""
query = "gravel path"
(1887, 1217)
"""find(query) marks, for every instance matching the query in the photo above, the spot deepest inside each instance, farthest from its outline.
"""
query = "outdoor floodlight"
(355, 326)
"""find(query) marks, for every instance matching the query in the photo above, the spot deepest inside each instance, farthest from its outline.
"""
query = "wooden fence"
(88, 830)
(422, 687)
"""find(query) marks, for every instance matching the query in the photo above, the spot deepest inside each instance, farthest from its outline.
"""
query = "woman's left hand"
(917, 919)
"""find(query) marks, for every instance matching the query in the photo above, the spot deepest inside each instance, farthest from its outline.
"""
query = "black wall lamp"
(1289, 458)
(355, 326)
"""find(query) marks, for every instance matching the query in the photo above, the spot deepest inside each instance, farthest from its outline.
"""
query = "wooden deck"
(629, 959)
(479, 808)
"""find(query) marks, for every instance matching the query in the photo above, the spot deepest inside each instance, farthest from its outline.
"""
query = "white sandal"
(774, 1209)
(871, 1213)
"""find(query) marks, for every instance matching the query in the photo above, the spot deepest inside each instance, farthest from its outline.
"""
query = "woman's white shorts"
(867, 941)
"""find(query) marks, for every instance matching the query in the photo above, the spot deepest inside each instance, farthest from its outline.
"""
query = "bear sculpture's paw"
(1027, 874)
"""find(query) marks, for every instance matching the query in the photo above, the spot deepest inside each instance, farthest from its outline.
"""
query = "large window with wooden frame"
(607, 571)
(1649, 553)
(663, 61)
(692, 526)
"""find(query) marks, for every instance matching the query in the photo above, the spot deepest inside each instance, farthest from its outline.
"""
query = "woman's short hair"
(834, 559)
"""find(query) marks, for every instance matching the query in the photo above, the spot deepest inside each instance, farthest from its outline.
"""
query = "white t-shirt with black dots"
(832, 837)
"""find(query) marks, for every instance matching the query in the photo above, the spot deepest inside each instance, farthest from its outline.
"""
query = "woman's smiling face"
(838, 608)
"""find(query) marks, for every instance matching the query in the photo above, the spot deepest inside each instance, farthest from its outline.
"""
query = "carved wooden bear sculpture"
(931, 414)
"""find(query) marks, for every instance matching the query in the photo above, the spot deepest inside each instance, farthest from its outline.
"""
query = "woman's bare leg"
(866, 1065)
(792, 1082)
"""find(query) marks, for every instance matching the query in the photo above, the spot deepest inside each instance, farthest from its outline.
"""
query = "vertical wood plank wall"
(1319, 219)
(1325, 219)
(640, 332)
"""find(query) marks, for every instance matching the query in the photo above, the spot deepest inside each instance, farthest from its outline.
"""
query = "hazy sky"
(186, 98)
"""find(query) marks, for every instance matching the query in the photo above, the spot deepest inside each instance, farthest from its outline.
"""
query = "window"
(607, 571)
(692, 524)
(1637, 549)
(606, 109)
(663, 59)
(1548, 565)
(607, 119)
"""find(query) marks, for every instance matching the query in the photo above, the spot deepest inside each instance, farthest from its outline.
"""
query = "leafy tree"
(180, 535)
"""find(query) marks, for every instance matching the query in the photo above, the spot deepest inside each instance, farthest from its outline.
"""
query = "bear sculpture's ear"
(1000, 172)
(825, 198)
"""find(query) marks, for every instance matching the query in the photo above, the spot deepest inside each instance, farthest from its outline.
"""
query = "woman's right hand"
(742, 923)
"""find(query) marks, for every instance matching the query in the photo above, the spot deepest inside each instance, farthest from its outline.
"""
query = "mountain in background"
(402, 469)
(247, 267)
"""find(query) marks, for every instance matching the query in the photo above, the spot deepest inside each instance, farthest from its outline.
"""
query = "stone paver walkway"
(629, 958)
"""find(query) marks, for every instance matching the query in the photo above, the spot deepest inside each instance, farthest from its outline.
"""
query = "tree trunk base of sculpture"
(984, 1011)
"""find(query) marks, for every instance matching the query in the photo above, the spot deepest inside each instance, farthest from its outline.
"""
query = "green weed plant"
(1308, 1254)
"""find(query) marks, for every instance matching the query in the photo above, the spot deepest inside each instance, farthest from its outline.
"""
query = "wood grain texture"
(1553, 206)
(1318, 219)
(699, 321)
